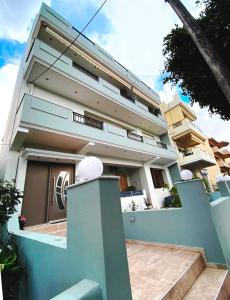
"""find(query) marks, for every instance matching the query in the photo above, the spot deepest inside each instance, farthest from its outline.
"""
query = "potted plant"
(148, 203)
(10, 197)
(176, 199)
(22, 221)
(133, 206)
(131, 188)
(10, 268)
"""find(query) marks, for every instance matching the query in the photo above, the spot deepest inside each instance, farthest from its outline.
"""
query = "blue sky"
(133, 34)
(11, 50)
(78, 15)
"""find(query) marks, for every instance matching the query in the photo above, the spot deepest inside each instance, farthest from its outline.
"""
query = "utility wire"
(48, 68)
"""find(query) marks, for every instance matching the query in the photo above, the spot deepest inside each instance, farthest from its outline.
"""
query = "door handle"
(53, 191)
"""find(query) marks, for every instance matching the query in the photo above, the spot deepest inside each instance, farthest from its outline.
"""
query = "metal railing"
(154, 111)
(86, 72)
(161, 145)
(87, 121)
(134, 136)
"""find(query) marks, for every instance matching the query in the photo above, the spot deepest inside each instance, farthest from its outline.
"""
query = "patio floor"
(153, 270)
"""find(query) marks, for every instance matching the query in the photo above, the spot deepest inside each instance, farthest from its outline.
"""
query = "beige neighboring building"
(222, 157)
(193, 146)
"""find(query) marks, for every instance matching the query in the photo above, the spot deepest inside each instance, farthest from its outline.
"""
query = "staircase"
(164, 273)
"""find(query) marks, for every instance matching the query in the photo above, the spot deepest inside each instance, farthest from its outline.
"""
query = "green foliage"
(10, 196)
(11, 270)
(185, 66)
(148, 203)
(206, 185)
(176, 201)
(131, 188)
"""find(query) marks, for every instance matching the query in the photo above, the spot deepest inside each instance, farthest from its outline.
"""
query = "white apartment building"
(86, 104)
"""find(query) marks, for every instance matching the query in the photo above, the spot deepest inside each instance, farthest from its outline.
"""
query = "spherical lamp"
(226, 178)
(186, 175)
(219, 177)
(90, 168)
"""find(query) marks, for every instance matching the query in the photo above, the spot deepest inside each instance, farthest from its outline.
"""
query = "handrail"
(87, 121)
(134, 136)
(161, 145)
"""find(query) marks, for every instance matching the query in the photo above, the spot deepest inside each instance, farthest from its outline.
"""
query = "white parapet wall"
(126, 202)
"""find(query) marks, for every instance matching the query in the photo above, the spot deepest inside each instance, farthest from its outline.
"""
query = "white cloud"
(167, 94)
(8, 74)
(137, 34)
(212, 126)
(136, 41)
(16, 18)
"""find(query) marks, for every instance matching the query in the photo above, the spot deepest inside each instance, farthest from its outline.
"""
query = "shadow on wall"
(220, 210)
(190, 225)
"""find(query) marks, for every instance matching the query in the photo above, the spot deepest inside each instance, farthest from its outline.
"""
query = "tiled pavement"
(154, 269)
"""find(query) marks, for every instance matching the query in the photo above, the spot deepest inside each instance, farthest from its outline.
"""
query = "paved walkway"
(153, 270)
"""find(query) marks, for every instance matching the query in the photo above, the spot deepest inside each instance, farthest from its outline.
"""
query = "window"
(157, 176)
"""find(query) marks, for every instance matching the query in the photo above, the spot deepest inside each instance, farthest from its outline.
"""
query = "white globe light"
(90, 168)
(186, 175)
(219, 177)
(226, 178)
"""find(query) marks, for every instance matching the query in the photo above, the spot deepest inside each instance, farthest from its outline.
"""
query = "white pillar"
(168, 178)
(147, 184)
(20, 183)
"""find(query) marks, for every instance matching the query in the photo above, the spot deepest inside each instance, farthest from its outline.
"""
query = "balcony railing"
(134, 136)
(86, 72)
(87, 121)
(153, 111)
(161, 145)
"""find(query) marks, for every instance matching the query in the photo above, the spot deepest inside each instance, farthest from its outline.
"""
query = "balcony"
(46, 124)
(161, 145)
(224, 166)
(134, 136)
(186, 133)
(196, 159)
(87, 121)
(88, 89)
(220, 153)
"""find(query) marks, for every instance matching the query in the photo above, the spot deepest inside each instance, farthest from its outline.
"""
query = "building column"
(95, 236)
(20, 177)
(147, 184)
(169, 180)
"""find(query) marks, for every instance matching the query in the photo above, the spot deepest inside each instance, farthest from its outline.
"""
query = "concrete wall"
(46, 114)
(174, 173)
(53, 264)
(165, 139)
(220, 210)
(190, 225)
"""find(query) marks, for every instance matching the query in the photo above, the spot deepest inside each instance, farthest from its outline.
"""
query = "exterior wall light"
(90, 168)
(219, 177)
(186, 175)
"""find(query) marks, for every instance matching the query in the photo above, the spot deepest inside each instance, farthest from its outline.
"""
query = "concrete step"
(170, 272)
(185, 281)
(212, 284)
(165, 272)
(161, 271)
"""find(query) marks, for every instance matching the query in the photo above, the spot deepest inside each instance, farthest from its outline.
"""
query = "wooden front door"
(123, 183)
(44, 193)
